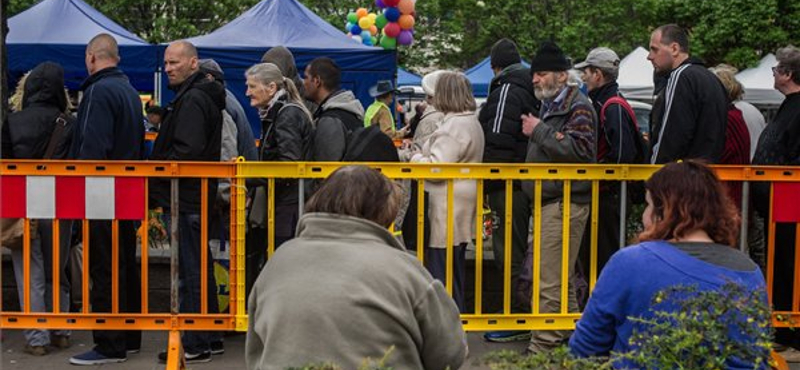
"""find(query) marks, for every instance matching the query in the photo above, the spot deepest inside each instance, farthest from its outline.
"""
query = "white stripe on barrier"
(100, 198)
(41, 196)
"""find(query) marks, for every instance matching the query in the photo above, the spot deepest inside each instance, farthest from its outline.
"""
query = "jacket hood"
(283, 58)
(516, 74)
(45, 85)
(344, 100)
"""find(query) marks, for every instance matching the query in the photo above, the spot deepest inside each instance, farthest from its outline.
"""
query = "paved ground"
(12, 357)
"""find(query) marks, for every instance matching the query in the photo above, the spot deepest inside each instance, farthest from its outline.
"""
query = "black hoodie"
(510, 96)
(27, 133)
(191, 131)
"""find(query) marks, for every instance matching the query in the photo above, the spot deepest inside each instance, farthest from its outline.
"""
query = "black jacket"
(510, 96)
(286, 136)
(191, 131)
(110, 119)
(616, 134)
(27, 133)
(695, 106)
(337, 116)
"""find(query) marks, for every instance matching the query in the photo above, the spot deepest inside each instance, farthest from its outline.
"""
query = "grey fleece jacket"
(330, 133)
(343, 290)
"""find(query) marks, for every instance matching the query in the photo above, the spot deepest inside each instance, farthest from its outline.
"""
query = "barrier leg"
(175, 359)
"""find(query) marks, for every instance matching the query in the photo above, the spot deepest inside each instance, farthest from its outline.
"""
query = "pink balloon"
(406, 6)
(392, 29)
(390, 3)
(405, 38)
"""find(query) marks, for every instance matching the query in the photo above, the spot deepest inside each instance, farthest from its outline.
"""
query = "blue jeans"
(189, 245)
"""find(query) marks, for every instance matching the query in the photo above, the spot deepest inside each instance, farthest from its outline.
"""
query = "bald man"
(110, 127)
(191, 131)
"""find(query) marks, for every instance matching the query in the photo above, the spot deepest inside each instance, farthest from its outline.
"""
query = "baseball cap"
(604, 58)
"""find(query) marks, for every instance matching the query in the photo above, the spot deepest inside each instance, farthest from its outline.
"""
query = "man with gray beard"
(564, 134)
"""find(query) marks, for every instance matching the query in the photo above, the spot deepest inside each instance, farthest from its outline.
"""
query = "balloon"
(361, 12)
(374, 40)
(349, 26)
(357, 38)
(381, 21)
(380, 4)
(352, 17)
(390, 3)
(372, 16)
(388, 42)
(405, 38)
(365, 23)
(355, 30)
(406, 22)
(367, 41)
(406, 6)
(392, 14)
(373, 30)
(391, 30)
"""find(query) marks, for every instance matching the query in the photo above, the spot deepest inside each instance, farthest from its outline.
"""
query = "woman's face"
(260, 95)
(647, 216)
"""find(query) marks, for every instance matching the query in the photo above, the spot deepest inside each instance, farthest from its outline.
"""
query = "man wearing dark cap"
(378, 113)
(564, 134)
(510, 96)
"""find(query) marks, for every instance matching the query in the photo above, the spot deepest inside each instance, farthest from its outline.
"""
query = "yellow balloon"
(365, 23)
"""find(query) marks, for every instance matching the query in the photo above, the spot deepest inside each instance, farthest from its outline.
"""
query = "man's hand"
(529, 122)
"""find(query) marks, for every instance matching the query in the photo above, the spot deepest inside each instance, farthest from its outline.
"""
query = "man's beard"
(546, 92)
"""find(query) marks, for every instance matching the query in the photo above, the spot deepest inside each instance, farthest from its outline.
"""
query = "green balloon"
(352, 17)
(374, 40)
(381, 21)
(388, 42)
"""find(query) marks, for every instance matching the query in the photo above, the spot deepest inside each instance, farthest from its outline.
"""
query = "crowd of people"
(342, 287)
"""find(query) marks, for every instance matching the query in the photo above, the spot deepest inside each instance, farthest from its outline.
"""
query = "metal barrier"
(236, 319)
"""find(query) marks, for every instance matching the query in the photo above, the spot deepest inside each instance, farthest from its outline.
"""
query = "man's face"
(662, 56)
(592, 77)
(546, 85)
(782, 77)
(178, 65)
(311, 85)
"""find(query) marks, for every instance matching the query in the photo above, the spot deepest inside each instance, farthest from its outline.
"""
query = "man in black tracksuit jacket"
(510, 97)
(694, 105)
(191, 131)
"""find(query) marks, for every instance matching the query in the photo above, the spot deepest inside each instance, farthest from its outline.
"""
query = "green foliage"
(689, 329)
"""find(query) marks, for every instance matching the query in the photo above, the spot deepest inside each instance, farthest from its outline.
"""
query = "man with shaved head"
(110, 127)
(191, 131)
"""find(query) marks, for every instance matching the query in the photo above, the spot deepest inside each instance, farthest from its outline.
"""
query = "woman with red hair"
(690, 230)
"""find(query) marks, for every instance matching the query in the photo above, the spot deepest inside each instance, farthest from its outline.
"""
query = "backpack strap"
(57, 136)
(616, 99)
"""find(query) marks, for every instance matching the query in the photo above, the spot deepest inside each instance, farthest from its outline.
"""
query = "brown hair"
(453, 93)
(687, 196)
(358, 191)
(727, 75)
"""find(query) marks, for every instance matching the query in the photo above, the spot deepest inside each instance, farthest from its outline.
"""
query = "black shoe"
(189, 357)
(217, 348)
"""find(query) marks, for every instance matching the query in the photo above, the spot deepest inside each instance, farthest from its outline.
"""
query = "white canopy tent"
(758, 83)
(636, 76)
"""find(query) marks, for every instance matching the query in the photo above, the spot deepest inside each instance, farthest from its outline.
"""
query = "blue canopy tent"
(405, 78)
(58, 31)
(239, 44)
(481, 75)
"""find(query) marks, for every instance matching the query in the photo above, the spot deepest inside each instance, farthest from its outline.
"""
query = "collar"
(99, 75)
(555, 105)
(333, 227)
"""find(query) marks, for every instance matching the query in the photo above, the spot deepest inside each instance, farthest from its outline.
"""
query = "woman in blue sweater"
(690, 230)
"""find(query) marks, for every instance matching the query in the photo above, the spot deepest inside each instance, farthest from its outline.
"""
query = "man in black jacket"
(510, 97)
(192, 131)
(693, 106)
(110, 127)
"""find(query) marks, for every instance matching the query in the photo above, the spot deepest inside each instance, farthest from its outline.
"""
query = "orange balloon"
(406, 21)
(361, 12)
(373, 30)
(406, 6)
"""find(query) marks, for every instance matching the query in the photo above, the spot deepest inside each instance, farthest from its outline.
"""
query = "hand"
(529, 123)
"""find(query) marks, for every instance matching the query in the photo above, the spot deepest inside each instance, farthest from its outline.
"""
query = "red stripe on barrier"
(785, 201)
(12, 197)
(129, 198)
(70, 197)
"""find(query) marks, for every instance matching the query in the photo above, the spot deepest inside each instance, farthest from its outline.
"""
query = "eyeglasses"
(777, 70)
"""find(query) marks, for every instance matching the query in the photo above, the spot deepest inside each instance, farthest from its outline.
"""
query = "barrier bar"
(56, 265)
(479, 249)
(537, 245)
(173, 247)
(204, 204)
(85, 272)
(449, 239)
(26, 265)
(770, 245)
(593, 232)
(421, 221)
(270, 217)
(145, 250)
(115, 266)
(565, 246)
(507, 222)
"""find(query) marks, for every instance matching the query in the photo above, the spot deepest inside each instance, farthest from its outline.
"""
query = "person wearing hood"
(191, 131)
(510, 96)
(339, 111)
(110, 127)
(286, 133)
(27, 134)
(283, 58)
(693, 108)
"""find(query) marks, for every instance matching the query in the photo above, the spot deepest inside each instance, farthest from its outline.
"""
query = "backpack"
(636, 191)
(228, 150)
(370, 144)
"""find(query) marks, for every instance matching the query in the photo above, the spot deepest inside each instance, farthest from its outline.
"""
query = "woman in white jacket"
(459, 139)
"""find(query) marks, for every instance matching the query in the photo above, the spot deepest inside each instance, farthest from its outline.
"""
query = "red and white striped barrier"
(68, 197)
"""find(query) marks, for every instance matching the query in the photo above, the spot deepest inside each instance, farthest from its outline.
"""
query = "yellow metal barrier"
(475, 320)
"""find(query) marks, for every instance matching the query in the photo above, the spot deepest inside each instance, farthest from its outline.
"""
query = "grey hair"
(267, 73)
(789, 61)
